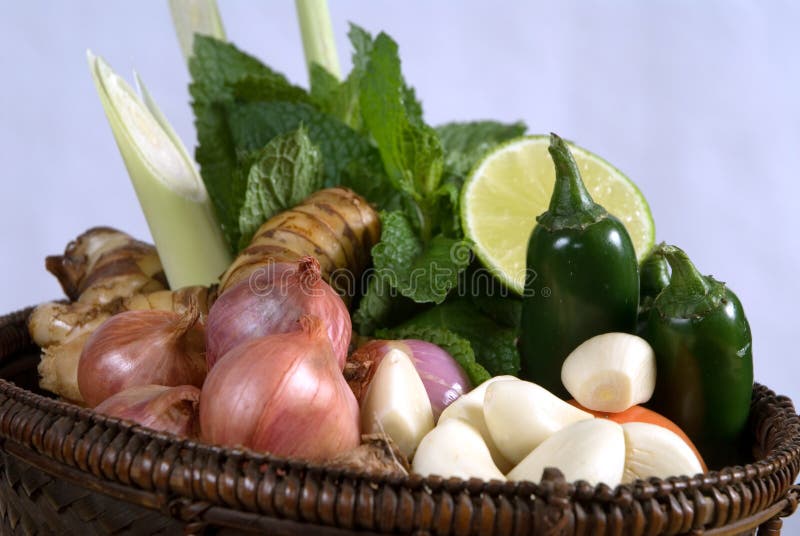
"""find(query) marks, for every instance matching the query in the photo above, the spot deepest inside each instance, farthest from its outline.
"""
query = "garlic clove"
(591, 450)
(610, 372)
(520, 415)
(397, 403)
(455, 448)
(652, 450)
(469, 408)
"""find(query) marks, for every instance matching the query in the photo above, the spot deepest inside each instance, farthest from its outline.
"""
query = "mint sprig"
(265, 143)
(411, 151)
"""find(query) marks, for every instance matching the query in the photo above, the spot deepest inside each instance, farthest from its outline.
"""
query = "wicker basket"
(67, 470)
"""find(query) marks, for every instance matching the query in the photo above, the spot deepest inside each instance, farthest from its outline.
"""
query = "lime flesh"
(512, 185)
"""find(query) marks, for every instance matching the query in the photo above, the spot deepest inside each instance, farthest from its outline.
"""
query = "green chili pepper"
(703, 347)
(653, 278)
(583, 276)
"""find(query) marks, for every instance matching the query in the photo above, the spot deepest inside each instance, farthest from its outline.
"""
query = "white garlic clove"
(653, 450)
(455, 448)
(591, 450)
(520, 415)
(469, 408)
(397, 404)
(610, 372)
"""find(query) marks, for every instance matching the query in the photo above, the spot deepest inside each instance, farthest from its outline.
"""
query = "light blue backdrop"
(698, 102)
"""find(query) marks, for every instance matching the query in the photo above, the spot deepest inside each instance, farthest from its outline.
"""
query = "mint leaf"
(505, 312)
(490, 297)
(217, 156)
(267, 87)
(411, 152)
(341, 99)
(362, 46)
(216, 68)
(423, 274)
(465, 143)
(285, 172)
(375, 307)
(458, 347)
(495, 346)
(252, 125)
(215, 65)
(381, 305)
(324, 88)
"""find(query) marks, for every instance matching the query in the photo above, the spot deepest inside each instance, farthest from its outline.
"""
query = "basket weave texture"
(68, 470)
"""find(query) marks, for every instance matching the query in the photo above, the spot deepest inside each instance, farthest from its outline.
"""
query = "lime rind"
(510, 220)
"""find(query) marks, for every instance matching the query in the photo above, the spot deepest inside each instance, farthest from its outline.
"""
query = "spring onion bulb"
(170, 191)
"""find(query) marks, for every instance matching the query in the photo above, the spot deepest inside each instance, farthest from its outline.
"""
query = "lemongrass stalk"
(317, 32)
(172, 195)
(195, 16)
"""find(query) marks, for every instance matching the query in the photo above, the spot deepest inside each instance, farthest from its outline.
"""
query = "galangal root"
(103, 264)
(335, 225)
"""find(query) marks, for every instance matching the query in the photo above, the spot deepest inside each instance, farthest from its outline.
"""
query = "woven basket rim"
(74, 421)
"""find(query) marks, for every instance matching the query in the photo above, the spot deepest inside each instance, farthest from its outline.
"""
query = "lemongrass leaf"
(174, 201)
(317, 32)
(190, 17)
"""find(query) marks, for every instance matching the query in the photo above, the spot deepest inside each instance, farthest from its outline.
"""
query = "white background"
(697, 102)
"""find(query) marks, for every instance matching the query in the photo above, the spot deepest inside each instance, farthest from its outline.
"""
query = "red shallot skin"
(284, 394)
(271, 301)
(166, 409)
(442, 376)
(147, 347)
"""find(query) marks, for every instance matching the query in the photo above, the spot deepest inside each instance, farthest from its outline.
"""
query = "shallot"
(271, 301)
(166, 409)
(283, 394)
(136, 348)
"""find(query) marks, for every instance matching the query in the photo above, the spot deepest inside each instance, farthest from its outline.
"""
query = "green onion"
(172, 195)
(315, 27)
(195, 16)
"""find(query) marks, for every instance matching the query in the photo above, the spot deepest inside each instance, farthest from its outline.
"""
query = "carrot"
(642, 414)
(336, 226)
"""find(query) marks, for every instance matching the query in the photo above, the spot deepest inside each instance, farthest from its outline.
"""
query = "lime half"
(512, 185)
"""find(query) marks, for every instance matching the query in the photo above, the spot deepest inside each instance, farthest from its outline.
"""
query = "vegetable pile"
(353, 324)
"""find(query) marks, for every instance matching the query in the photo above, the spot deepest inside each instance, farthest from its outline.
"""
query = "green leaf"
(490, 297)
(362, 46)
(465, 143)
(495, 346)
(423, 274)
(285, 172)
(341, 99)
(505, 311)
(216, 68)
(217, 156)
(458, 347)
(253, 125)
(324, 88)
(411, 152)
(267, 87)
